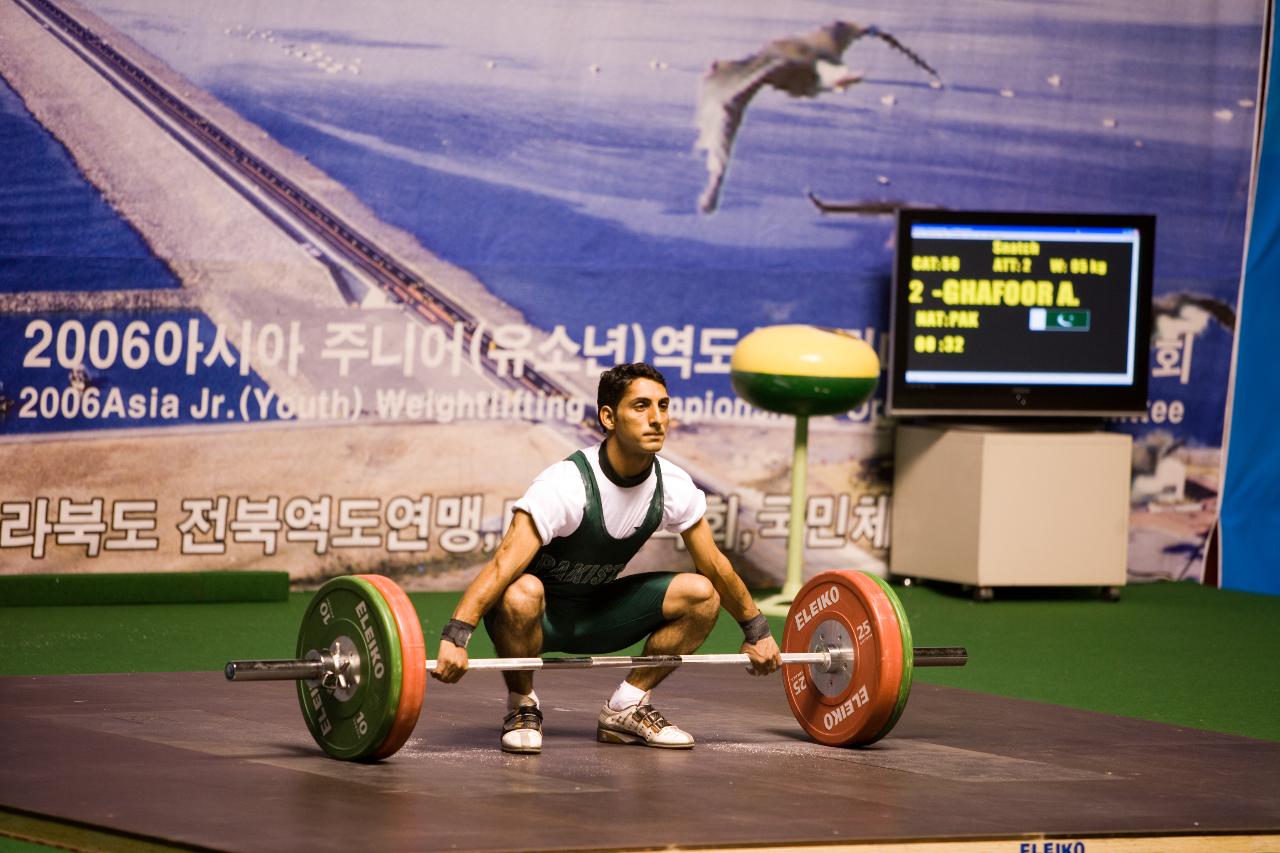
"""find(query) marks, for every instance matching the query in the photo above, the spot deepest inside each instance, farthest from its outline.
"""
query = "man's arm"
(518, 548)
(734, 597)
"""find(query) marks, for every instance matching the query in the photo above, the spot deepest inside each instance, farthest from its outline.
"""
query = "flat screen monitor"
(1002, 314)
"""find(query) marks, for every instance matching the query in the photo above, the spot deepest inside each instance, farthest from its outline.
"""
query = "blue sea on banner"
(56, 231)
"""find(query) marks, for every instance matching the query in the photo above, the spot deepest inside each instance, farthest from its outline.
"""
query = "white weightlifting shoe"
(522, 730)
(640, 723)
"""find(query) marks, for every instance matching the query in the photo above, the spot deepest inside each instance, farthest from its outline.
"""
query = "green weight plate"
(352, 721)
(908, 656)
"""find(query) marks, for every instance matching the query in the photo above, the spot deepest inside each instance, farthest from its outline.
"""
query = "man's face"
(640, 423)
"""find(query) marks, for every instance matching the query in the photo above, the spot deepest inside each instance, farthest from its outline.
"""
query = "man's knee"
(522, 602)
(692, 594)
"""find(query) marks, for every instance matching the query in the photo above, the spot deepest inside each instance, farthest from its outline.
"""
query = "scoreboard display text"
(1057, 303)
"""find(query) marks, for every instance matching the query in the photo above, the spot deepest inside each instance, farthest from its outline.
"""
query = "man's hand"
(451, 663)
(765, 657)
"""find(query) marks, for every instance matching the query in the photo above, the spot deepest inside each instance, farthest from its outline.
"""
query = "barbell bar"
(827, 661)
(361, 672)
(286, 670)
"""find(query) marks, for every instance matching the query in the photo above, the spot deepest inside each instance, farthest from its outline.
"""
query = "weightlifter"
(553, 585)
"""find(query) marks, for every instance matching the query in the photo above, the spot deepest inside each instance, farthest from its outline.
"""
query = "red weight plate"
(414, 666)
(853, 707)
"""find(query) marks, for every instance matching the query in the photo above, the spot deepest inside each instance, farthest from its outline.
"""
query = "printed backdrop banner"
(320, 286)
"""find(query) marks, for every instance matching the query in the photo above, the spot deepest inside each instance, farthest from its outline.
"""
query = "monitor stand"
(990, 507)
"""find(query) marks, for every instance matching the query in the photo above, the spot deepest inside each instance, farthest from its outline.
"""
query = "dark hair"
(615, 381)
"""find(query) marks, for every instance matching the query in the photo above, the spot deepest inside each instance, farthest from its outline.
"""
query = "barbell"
(362, 669)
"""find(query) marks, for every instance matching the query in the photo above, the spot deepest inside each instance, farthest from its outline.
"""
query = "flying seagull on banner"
(801, 66)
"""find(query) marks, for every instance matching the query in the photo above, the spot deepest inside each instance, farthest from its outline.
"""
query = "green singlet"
(588, 610)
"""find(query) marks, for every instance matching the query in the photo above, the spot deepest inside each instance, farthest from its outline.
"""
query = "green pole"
(795, 531)
(780, 604)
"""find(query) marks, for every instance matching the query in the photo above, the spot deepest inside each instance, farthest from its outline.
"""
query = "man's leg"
(690, 608)
(515, 627)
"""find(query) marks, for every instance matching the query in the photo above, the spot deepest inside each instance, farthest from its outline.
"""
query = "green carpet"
(1175, 653)
(142, 588)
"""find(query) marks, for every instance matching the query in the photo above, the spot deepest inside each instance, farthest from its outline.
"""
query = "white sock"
(625, 696)
(515, 700)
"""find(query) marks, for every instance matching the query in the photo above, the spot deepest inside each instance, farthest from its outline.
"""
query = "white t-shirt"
(557, 499)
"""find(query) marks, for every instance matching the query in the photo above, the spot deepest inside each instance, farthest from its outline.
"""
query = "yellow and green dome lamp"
(802, 371)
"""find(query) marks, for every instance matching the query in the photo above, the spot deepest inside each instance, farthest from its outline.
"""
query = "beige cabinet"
(992, 507)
